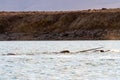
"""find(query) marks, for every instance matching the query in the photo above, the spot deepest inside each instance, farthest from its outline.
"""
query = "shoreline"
(98, 34)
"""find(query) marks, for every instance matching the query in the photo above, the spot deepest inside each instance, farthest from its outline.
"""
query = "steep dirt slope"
(86, 24)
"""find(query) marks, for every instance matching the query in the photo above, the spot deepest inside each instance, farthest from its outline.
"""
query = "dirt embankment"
(101, 24)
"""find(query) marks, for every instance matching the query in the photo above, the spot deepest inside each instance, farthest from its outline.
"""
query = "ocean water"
(36, 60)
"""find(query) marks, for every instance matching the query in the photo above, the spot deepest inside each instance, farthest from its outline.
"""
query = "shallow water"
(24, 47)
(38, 66)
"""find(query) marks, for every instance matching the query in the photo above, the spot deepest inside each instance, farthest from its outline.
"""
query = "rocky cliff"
(102, 24)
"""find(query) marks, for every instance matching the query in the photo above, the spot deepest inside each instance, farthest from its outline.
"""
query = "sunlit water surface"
(30, 62)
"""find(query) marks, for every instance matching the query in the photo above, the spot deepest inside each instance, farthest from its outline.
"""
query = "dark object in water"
(65, 51)
(102, 51)
(11, 54)
(90, 49)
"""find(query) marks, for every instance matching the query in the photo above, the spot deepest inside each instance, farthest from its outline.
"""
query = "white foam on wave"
(114, 50)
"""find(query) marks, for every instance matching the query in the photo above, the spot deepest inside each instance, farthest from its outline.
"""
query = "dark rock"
(65, 51)
(102, 51)
(11, 54)
(65, 34)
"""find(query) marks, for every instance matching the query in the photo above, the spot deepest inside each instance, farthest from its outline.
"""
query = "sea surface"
(42, 60)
